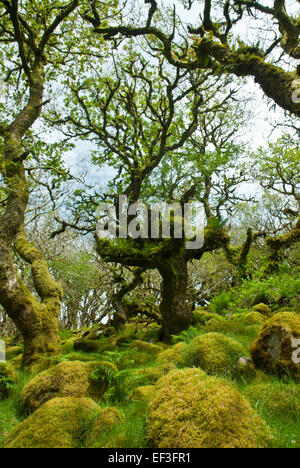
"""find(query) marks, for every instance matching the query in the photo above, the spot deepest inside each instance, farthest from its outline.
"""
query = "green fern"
(103, 373)
(186, 336)
(5, 383)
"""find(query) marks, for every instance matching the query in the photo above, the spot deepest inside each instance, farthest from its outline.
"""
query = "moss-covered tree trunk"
(275, 82)
(277, 246)
(36, 320)
(176, 315)
(42, 339)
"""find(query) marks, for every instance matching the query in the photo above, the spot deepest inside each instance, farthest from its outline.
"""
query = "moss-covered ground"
(141, 360)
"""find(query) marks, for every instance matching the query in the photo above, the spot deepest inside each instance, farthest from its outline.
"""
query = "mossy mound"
(174, 355)
(218, 323)
(59, 423)
(277, 398)
(145, 347)
(102, 425)
(214, 353)
(67, 379)
(245, 370)
(8, 377)
(252, 318)
(129, 379)
(134, 358)
(190, 410)
(275, 350)
(285, 309)
(263, 309)
(142, 393)
(88, 346)
(202, 317)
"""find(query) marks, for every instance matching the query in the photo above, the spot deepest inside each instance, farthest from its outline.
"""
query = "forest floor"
(140, 361)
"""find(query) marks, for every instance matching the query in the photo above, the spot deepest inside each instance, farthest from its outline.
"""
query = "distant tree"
(271, 219)
(277, 170)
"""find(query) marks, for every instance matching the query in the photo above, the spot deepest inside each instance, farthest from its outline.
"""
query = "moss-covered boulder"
(8, 377)
(68, 379)
(191, 410)
(144, 347)
(277, 348)
(214, 353)
(218, 324)
(174, 355)
(142, 393)
(201, 316)
(252, 318)
(59, 423)
(245, 370)
(263, 309)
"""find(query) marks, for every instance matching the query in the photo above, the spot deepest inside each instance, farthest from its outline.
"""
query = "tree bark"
(176, 316)
(37, 321)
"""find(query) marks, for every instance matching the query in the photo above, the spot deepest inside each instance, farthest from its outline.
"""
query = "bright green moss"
(59, 423)
(202, 317)
(217, 322)
(276, 397)
(67, 379)
(252, 318)
(276, 347)
(17, 361)
(190, 410)
(13, 352)
(263, 309)
(245, 370)
(103, 424)
(214, 353)
(145, 347)
(174, 355)
(67, 346)
(142, 393)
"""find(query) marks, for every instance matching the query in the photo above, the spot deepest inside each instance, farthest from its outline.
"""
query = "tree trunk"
(176, 315)
(37, 321)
